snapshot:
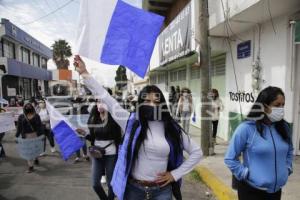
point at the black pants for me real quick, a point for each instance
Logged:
(49, 136)
(2, 152)
(215, 128)
(247, 192)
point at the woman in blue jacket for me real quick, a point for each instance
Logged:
(264, 140)
(150, 161)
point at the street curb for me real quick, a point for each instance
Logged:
(220, 189)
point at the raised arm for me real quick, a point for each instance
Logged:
(119, 114)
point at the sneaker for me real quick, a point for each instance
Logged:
(103, 179)
(76, 160)
(53, 150)
(86, 158)
(36, 162)
(30, 169)
(43, 154)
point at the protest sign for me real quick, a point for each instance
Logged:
(7, 122)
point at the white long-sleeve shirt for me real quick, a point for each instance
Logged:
(154, 153)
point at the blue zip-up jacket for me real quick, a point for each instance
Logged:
(267, 160)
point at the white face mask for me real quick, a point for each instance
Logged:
(276, 114)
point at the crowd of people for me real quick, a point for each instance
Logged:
(140, 149)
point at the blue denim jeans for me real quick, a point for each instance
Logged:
(106, 163)
(135, 191)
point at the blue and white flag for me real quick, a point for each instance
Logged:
(64, 133)
(116, 33)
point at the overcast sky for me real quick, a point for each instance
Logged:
(59, 25)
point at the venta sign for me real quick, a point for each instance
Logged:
(175, 40)
(241, 97)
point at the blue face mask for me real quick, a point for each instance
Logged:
(277, 114)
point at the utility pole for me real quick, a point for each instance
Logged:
(205, 77)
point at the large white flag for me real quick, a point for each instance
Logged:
(116, 33)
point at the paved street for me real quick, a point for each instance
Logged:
(55, 179)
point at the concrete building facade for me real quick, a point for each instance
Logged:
(23, 63)
(254, 44)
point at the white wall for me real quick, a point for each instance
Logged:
(274, 62)
(216, 14)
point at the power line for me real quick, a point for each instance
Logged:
(50, 13)
(269, 10)
(231, 55)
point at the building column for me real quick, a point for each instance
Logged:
(188, 75)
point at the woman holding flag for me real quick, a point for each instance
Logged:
(150, 162)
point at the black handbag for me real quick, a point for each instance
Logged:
(98, 152)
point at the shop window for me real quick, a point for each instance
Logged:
(153, 79)
(8, 49)
(25, 53)
(26, 88)
(36, 60)
(174, 76)
(182, 75)
(44, 63)
(161, 78)
(195, 73)
(218, 64)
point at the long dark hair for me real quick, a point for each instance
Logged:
(265, 98)
(172, 130)
(94, 120)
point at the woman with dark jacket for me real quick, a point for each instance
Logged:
(29, 125)
(265, 142)
(104, 132)
(172, 100)
(150, 161)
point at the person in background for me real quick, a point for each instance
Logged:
(217, 107)
(177, 114)
(44, 115)
(172, 100)
(12, 102)
(105, 133)
(185, 108)
(84, 152)
(29, 125)
(34, 103)
(2, 152)
(150, 161)
(265, 142)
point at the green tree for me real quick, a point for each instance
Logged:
(121, 77)
(61, 52)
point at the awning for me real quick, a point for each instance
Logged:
(185, 60)
(20, 69)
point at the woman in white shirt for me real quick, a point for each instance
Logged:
(44, 115)
(185, 108)
(150, 161)
(217, 107)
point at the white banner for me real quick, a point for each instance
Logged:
(30, 149)
(7, 122)
(17, 111)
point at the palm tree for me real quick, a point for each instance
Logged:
(61, 52)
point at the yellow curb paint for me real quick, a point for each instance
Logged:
(220, 189)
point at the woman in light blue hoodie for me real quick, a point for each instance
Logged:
(264, 140)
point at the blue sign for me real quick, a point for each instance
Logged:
(244, 49)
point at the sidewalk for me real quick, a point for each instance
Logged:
(217, 176)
